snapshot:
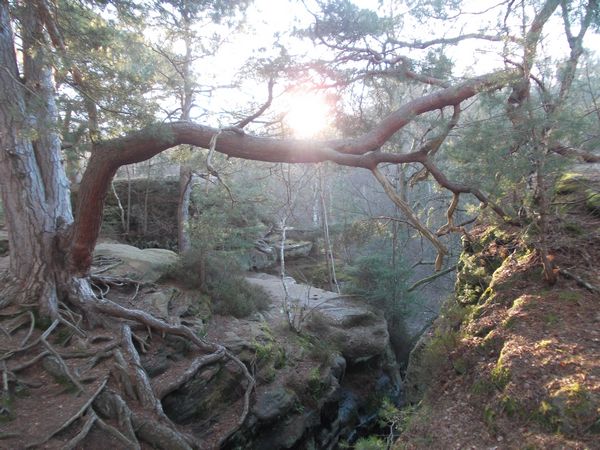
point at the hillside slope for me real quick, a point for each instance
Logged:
(513, 363)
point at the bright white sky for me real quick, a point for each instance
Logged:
(307, 113)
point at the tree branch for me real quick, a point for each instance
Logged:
(108, 156)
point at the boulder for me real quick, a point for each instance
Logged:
(273, 403)
(157, 303)
(353, 328)
(146, 265)
(294, 249)
(260, 258)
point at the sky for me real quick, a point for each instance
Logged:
(267, 18)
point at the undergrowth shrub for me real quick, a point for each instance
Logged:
(221, 278)
(384, 286)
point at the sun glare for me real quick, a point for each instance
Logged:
(309, 114)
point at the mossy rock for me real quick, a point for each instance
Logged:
(572, 409)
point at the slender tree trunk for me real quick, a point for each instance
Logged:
(183, 207)
(331, 275)
(185, 171)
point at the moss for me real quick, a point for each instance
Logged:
(546, 416)
(569, 296)
(460, 365)
(509, 323)
(511, 406)
(568, 183)
(551, 319)
(500, 375)
(482, 386)
(370, 443)
(544, 343)
(316, 387)
(571, 410)
(489, 417)
(7, 413)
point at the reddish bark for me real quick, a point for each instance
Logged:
(362, 152)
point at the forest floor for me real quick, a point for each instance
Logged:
(521, 369)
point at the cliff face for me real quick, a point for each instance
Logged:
(511, 362)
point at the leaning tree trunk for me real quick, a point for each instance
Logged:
(35, 191)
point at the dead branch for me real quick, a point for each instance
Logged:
(411, 217)
(449, 227)
(590, 287)
(245, 121)
(431, 278)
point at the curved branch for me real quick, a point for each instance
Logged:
(139, 146)
(242, 123)
(457, 188)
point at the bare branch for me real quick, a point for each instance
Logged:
(242, 123)
(453, 40)
(431, 278)
(411, 217)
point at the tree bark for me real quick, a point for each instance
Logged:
(35, 191)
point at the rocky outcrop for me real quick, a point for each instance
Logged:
(122, 260)
(312, 388)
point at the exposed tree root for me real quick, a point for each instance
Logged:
(203, 361)
(105, 306)
(125, 405)
(73, 418)
(87, 426)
